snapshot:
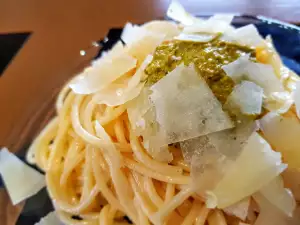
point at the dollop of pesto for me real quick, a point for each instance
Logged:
(208, 59)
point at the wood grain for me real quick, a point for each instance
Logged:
(8, 213)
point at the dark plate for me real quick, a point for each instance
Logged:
(286, 38)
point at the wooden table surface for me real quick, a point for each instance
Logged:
(60, 28)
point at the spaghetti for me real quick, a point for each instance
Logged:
(98, 170)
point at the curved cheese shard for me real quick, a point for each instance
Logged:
(271, 215)
(246, 97)
(21, 181)
(50, 219)
(136, 109)
(200, 37)
(216, 24)
(185, 107)
(291, 179)
(240, 209)
(211, 155)
(120, 93)
(101, 74)
(279, 102)
(273, 127)
(296, 96)
(279, 196)
(116, 50)
(261, 74)
(246, 35)
(255, 167)
(144, 46)
(178, 13)
(168, 28)
(132, 33)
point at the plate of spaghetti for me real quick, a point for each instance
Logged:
(184, 121)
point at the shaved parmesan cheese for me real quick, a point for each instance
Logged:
(184, 96)
(246, 97)
(142, 120)
(296, 96)
(204, 37)
(237, 68)
(273, 57)
(132, 33)
(269, 214)
(273, 127)
(291, 82)
(230, 142)
(117, 94)
(170, 29)
(208, 166)
(291, 179)
(136, 110)
(178, 13)
(21, 181)
(144, 46)
(211, 155)
(280, 102)
(194, 146)
(247, 35)
(261, 74)
(116, 50)
(50, 219)
(100, 75)
(215, 24)
(240, 209)
(280, 197)
(255, 167)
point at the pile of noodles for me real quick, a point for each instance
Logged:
(121, 151)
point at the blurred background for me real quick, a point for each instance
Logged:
(50, 37)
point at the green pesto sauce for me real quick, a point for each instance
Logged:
(208, 59)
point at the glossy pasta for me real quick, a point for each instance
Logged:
(99, 166)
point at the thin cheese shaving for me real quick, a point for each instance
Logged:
(200, 37)
(279, 196)
(261, 74)
(215, 24)
(239, 209)
(296, 96)
(273, 127)
(269, 214)
(247, 35)
(184, 96)
(230, 142)
(211, 155)
(178, 13)
(168, 28)
(50, 219)
(21, 181)
(101, 74)
(144, 46)
(255, 167)
(291, 179)
(120, 93)
(116, 50)
(208, 165)
(246, 97)
(279, 102)
(132, 33)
